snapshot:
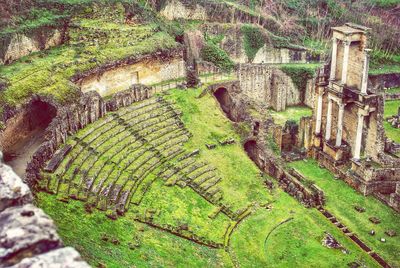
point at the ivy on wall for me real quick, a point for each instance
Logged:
(213, 53)
(253, 40)
(300, 74)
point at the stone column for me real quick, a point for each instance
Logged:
(334, 58)
(364, 82)
(345, 61)
(340, 125)
(328, 120)
(319, 113)
(360, 125)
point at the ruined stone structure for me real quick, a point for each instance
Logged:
(28, 237)
(233, 44)
(147, 70)
(269, 86)
(348, 118)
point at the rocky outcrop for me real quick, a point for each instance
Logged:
(233, 44)
(19, 44)
(144, 69)
(176, 9)
(28, 237)
(67, 256)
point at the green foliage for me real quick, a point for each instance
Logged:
(385, 3)
(273, 145)
(253, 40)
(293, 113)
(49, 72)
(213, 53)
(391, 108)
(300, 74)
(341, 199)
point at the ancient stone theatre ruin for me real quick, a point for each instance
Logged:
(210, 133)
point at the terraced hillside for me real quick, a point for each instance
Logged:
(170, 201)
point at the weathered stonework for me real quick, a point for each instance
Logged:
(233, 44)
(238, 108)
(28, 237)
(148, 70)
(268, 86)
(20, 45)
(348, 119)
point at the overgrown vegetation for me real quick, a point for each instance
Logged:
(290, 113)
(341, 200)
(213, 53)
(126, 242)
(300, 74)
(93, 41)
(391, 108)
(253, 40)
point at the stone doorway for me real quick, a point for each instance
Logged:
(225, 101)
(251, 149)
(24, 134)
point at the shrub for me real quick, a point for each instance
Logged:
(300, 74)
(213, 53)
(253, 40)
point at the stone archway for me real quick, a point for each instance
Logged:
(24, 133)
(251, 149)
(225, 101)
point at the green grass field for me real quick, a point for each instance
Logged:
(297, 242)
(291, 113)
(341, 199)
(391, 108)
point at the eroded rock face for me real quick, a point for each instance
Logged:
(13, 192)
(21, 45)
(62, 258)
(28, 237)
(25, 231)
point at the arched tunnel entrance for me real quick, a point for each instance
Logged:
(225, 101)
(251, 149)
(24, 134)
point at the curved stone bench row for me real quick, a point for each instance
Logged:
(106, 168)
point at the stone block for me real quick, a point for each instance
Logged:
(62, 258)
(13, 192)
(25, 231)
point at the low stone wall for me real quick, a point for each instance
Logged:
(393, 96)
(290, 181)
(28, 236)
(376, 82)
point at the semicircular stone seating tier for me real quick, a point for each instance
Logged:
(105, 163)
